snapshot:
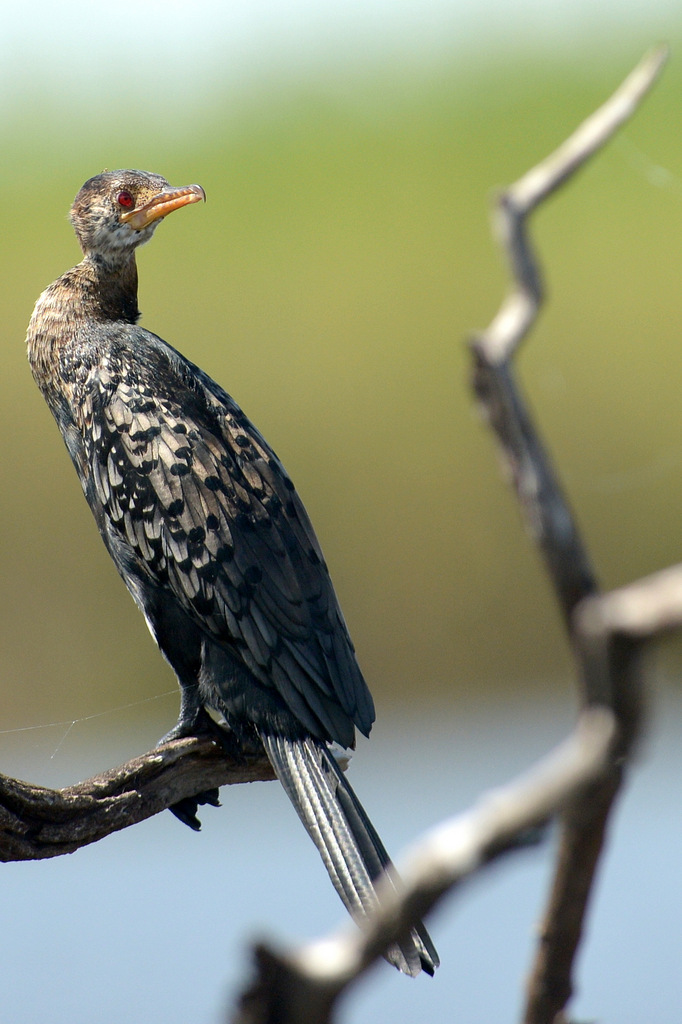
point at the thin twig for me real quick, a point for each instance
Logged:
(519, 310)
(545, 507)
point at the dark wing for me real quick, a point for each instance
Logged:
(207, 510)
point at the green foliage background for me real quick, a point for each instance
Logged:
(329, 283)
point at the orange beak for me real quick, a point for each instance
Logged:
(162, 204)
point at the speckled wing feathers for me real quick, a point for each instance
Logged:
(207, 510)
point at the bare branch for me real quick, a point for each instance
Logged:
(303, 986)
(609, 633)
(581, 779)
(36, 822)
(639, 611)
(609, 668)
(519, 310)
(545, 507)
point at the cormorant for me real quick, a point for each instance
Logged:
(207, 531)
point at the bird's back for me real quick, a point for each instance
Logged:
(190, 498)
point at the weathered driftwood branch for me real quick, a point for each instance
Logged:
(613, 679)
(303, 986)
(546, 509)
(610, 633)
(577, 778)
(581, 780)
(36, 822)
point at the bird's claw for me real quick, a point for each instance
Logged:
(200, 724)
(186, 810)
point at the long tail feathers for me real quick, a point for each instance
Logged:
(352, 852)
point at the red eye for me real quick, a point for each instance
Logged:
(125, 199)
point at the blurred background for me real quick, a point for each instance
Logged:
(349, 154)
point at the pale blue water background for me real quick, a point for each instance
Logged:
(152, 924)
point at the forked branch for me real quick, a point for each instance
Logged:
(580, 780)
(607, 661)
(303, 986)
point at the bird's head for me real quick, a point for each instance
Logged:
(116, 211)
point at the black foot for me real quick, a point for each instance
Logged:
(200, 723)
(238, 746)
(186, 810)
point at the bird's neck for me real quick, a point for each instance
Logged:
(98, 290)
(92, 293)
